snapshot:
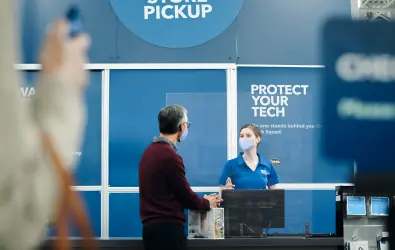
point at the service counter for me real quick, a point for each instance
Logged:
(275, 243)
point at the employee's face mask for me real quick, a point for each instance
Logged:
(246, 143)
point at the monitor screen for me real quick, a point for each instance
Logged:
(379, 206)
(249, 212)
(356, 205)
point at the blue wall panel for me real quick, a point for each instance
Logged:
(283, 31)
(99, 21)
(124, 215)
(88, 171)
(323, 211)
(92, 201)
(297, 148)
(112, 42)
(318, 208)
(137, 96)
(262, 33)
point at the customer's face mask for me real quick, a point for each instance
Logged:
(246, 143)
(184, 134)
(184, 131)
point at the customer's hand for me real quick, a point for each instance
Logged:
(63, 56)
(218, 198)
(213, 199)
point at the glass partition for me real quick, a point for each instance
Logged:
(137, 96)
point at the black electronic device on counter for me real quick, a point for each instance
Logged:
(249, 212)
(342, 192)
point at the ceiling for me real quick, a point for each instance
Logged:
(376, 9)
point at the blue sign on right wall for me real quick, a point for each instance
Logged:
(358, 97)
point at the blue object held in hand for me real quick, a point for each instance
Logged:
(74, 19)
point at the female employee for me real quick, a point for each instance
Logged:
(249, 170)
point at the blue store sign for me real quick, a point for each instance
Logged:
(359, 92)
(177, 23)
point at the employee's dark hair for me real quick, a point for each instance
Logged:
(255, 130)
(170, 118)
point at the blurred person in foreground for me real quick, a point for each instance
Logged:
(29, 186)
(164, 189)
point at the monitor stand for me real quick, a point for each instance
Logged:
(248, 232)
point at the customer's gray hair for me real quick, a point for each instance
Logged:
(171, 117)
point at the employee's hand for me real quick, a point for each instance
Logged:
(276, 162)
(229, 184)
(63, 56)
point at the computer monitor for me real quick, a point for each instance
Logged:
(249, 212)
(379, 206)
(356, 206)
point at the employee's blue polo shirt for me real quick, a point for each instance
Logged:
(244, 178)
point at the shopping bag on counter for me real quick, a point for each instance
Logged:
(70, 205)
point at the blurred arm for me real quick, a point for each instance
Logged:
(28, 185)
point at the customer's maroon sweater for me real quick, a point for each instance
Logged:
(164, 190)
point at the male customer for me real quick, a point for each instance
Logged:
(164, 190)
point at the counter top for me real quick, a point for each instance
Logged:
(275, 241)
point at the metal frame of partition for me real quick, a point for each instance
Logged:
(232, 130)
